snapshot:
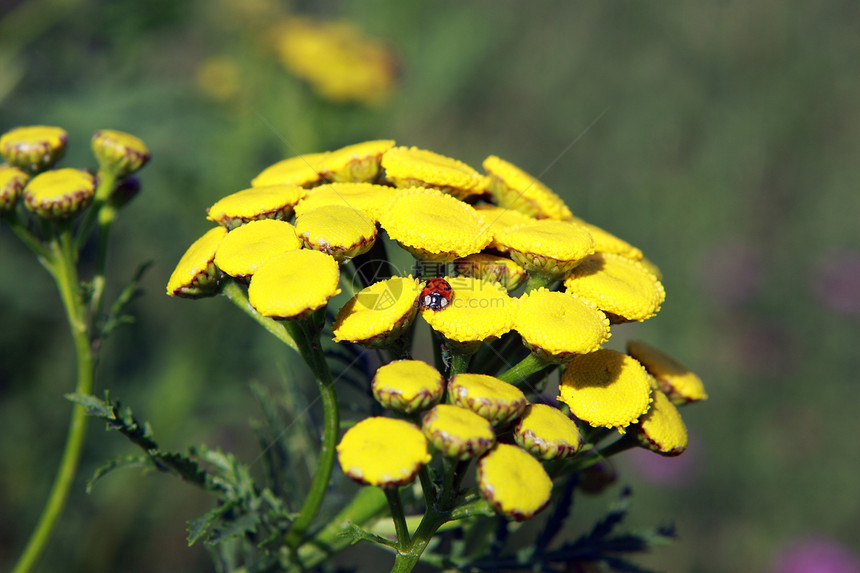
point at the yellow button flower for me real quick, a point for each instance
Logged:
(549, 248)
(379, 314)
(557, 326)
(407, 385)
(119, 152)
(547, 433)
(294, 284)
(606, 388)
(302, 170)
(487, 396)
(498, 218)
(365, 197)
(620, 287)
(514, 482)
(12, 180)
(356, 163)
(60, 193)
(457, 432)
(383, 452)
(245, 248)
(434, 226)
(681, 385)
(479, 311)
(500, 270)
(196, 274)
(34, 148)
(606, 242)
(337, 230)
(412, 167)
(662, 430)
(264, 202)
(513, 188)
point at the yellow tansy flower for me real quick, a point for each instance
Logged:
(264, 202)
(606, 388)
(513, 188)
(498, 218)
(119, 152)
(514, 482)
(620, 287)
(662, 430)
(365, 197)
(294, 284)
(557, 326)
(245, 248)
(480, 310)
(457, 432)
(434, 226)
(337, 230)
(356, 163)
(34, 148)
(500, 270)
(196, 274)
(378, 314)
(606, 242)
(302, 170)
(383, 452)
(487, 396)
(547, 433)
(12, 180)
(681, 385)
(407, 385)
(549, 248)
(59, 193)
(412, 167)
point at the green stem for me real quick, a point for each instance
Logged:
(393, 496)
(537, 281)
(61, 264)
(106, 217)
(405, 561)
(459, 363)
(525, 368)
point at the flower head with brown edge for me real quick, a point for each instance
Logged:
(118, 152)
(60, 193)
(662, 429)
(380, 314)
(407, 386)
(412, 167)
(33, 148)
(457, 432)
(365, 197)
(487, 396)
(500, 270)
(336, 230)
(265, 202)
(294, 284)
(356, 163)
(557, 326)
(620, 287)
(498, 218)
(383, 452)
(434, 226)
(302, 170)
(12, 180)
(196, 274)
(551, 248)
(513, 188)
(606, 242)
(547, 433)
(606, 388)
(514, 482)
(673, 378)
(246, 248)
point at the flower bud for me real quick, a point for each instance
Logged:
(546, 433)
(59, 194)
(34, 148)
(407, 386)
(661, 429)
(124, 192)
(487, 396)
(457, 432)
(12, 180)
(119, 153)
(514, 482)
(383, 452)
(196, 275)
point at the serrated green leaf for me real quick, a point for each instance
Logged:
(130, 461)
(241, 525)
(92, 405)
(197, 528)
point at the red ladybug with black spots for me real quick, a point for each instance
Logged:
(437, 294)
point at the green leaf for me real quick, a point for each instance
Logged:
(199, 527)
(241, 525)
(131, 461)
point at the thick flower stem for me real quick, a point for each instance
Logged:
(61, 264)
(525, 368)
(397, 515)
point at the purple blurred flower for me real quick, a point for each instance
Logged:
(837, 281)
(815, 555)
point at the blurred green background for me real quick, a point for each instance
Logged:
(722, 138)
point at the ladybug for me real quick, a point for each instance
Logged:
(436, 294)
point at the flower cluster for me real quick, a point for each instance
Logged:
(528, 289)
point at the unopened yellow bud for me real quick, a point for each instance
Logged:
(33, 148)
(59, 194)
(119, 153)
(12, 180)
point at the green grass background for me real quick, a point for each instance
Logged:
(726, 148)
